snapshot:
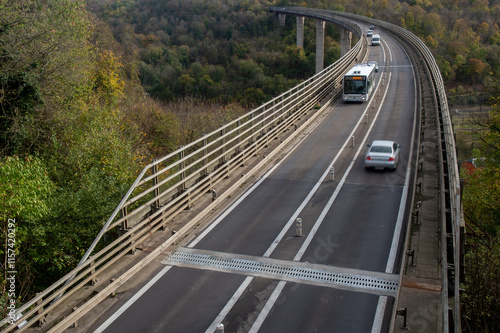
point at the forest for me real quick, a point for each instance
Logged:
(91, 91)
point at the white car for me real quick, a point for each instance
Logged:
(369, 33)
(382, 154)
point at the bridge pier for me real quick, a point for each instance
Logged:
(300, 31)
(345, 41)
(320, 45)
(282, 18)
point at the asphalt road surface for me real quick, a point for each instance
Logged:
(250, 272)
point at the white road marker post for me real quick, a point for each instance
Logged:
(298, 227)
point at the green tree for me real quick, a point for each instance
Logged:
(481, 198)
(480, 306)
(44, 54)
(25, 200)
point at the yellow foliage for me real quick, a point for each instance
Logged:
(107, 76)
(431, 42)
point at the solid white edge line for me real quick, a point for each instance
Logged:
(397, 230)
(229, 305)
(125, 306)
(267, 308)
(377, 323)
(402, 207)
(379, 314)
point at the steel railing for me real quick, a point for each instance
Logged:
(169, 185)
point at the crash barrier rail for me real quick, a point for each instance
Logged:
(451, 220)
(171, 184)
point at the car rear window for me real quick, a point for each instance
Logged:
(381, 149)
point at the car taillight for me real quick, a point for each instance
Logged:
(391, 159)
(368, 158)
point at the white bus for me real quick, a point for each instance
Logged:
(358, 83)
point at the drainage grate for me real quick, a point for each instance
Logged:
(379, 283)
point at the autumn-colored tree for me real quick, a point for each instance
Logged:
(476, 68)
(66, 157)
(481, 198)
(107, 80)
(44, 52)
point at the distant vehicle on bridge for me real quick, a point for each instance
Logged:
(376, 40)
(358, 83)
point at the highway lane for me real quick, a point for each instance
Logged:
(354, 231)
(360, 223)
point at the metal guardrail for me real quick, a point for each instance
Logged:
(173, 183)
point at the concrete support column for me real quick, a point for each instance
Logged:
(345, 41)
(300, 31)
(320, 45)
(282, 18)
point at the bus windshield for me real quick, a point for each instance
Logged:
(354, 85)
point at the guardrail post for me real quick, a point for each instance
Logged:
(133, 250)
(183, 172)
(411, 254)
(273, 108)
(75, 324)
(265, 130)
(154, 171)
(403, 312)
(43, 320)
(124, 213)
(416, 214)
(238, 140)
(252, 124)
(223, 145)
(205, 160)
(93, 279)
